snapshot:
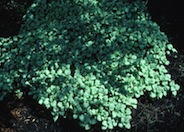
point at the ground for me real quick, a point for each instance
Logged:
(165, 115)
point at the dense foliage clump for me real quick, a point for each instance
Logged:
(87, 59)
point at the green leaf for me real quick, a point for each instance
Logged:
(110, 126)
(127, 125)
(89, 43)
(111, 106)
(93, 121)
(104, 123)
(149, 39)
(94, 90)
(60, 105)
(120, 125)
(82, 117)
(80, 82)
(86, 104)
(15, 38)
(160, 95)
(177, 87)
(55, 118)
(75, 116)
(67, 72)
(53, 103)
(174, 93)
(114, 65)
(47, 72)
(170, 46)
(152, 95)
(87, 127)
(114, 114)
(149, 88)
(128, 111)
(46, 101)
(104, 127)
(99, 118)
(40, 101)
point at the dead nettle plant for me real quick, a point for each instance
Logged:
(94, 58)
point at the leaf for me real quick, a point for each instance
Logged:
(114, 114)
(93, 121)
(59, 72)
(82, 117)
(75, 116)
(89, 43)
(128, 111)
(126, 62)
(177, 87)
(40, 101)
(110, 125)
(97, 82)
(67, 72)
(123, 29)
(87, 127)
(112, 106)
(152, 95)
(86, 104)
(47, 72)
(127, 125)
(99, 118)
(149, 39)
(160, 95)
(80, 82)
(46, 101)
(120, 125)
(55, 118)
(15, 38)
(149, 88)
(94, 90)
(174, 93)
(104, 123)
(134, 101)
(60, 105)
(53, 103)
(114, 65)
(170, 46)
(104, 127)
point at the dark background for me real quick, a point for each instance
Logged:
(169, 14)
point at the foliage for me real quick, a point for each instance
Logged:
(88, 59)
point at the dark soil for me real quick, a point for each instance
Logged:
(165, 115)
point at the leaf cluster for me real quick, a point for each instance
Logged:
(91, 57)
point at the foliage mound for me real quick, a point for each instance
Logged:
(87, 59)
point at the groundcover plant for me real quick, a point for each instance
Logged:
(89, 60)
